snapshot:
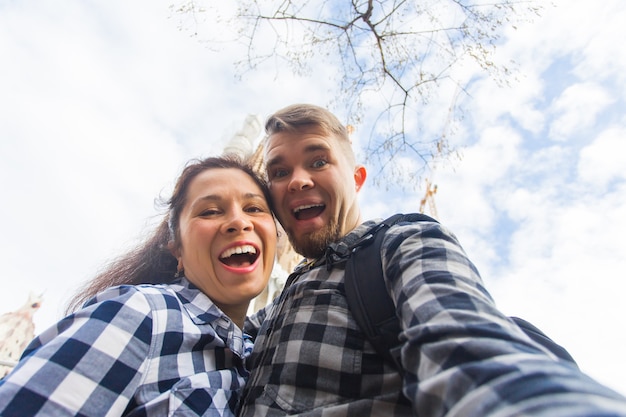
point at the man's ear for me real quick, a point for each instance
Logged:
(360, 173)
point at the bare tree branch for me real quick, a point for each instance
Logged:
(394, 58)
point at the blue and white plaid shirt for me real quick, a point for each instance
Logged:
(147, 350)
(461, 356)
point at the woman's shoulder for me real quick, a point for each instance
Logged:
(153, 296)
(157, 300)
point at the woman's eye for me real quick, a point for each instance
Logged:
(209, 212)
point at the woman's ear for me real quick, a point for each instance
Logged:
(173, 248)
(175, 251)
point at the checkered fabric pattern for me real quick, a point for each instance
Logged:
(461, 356)
(149, 350)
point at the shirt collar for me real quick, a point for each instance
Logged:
(198, 305)
(202, 310)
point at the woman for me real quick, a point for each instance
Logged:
(161, 332)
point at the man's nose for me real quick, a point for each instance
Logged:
(300, 180)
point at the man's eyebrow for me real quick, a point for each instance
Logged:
(308, 149)
(316, 147)
(274, 161)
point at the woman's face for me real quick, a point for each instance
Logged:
(227, 238)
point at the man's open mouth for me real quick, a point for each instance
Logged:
(308, 211)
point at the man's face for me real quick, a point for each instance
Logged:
(314, 188)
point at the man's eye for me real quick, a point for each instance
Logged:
(279, 173)
(319, 163)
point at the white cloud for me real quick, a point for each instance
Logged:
(483, 164)
(601, 56)
(564, 275)
(577, 108)
(519, 100)
(604, 159)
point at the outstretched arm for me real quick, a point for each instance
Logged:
(461, 355)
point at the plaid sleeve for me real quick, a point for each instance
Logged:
(461, 355)
(89, 364)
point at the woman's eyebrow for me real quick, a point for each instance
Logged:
(217, 197)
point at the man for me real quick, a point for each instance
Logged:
(460, 355)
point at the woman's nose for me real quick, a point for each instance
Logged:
(237, 222)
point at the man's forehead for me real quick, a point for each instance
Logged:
(277, 146)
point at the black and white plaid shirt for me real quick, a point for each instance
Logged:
(148, 350)
(461, 356)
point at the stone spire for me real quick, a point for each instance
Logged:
(16, 331)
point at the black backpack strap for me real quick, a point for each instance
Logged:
(366, 292)
(374, 310)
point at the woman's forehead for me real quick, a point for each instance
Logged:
(223, 179)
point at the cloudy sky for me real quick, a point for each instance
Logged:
(102, 103)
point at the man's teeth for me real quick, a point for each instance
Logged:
(300, 208)
(238, 250)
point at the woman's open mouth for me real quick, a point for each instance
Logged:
(239, 256)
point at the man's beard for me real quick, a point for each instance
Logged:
(313, 245)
